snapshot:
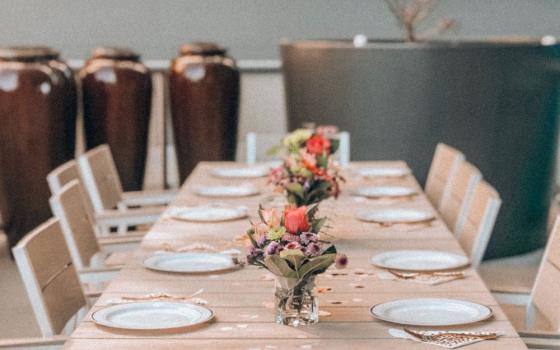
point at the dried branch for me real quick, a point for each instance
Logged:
(411, 13)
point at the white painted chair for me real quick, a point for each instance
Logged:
(537, 318)
(257, 145)
(477, 227)
(122, 218)
(104, 185)
(445, 163)
(454, 205)
(52, 284)
(88, 251)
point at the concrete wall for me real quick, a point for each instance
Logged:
(251, 28)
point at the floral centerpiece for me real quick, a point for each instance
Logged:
(308, 174)
(289, 246)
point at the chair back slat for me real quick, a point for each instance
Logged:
(50, 277)
(479, 221)
(101, 179)
(69, 206)
(455, 205)
(62, 175)
(444, 164)
(544, 295)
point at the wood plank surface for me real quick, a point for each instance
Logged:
(242, 298)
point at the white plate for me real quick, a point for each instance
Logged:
(208, 213)
(226, 191)
(152, 315)
(190, 262)
(419, 260)
(382, 172)
(385, 191)
(395, 216)
(431, 312)
(241, 172)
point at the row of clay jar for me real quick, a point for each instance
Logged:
(38, 109)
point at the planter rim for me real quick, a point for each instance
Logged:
(389, 43)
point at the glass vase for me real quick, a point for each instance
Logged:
(296, 305)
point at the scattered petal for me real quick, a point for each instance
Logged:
(322, 290)
(357, 300)
(324, 313)
(199, 301)
(357, 285)
(359, 271)
(335, 302)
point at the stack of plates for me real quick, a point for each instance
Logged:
(385, 191)
(226, 191)
(382, 172)
(191, 262)
(395, 216)
(434, 312)
(208, 213)
(152, 315)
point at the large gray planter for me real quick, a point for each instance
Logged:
(497, 101)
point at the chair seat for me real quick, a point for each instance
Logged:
(516, 315)
(515, 274)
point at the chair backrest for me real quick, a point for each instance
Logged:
(49, 277)
(101, 179)
(445, 162)
(257, 145)
(454, 206)
(544, 295)
(62, 175)
(479, 221)
(69, 206)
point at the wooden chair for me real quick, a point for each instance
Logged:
(257, 144)
(454, 206)
(538, 320)
(88, 251)
(105, 220)
(444, 165)
(476, 229)
(104, 185)
(52, 284)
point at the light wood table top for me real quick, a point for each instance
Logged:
(242, 299)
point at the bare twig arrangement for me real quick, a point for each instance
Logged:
(411, 13)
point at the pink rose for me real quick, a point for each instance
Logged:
(295, 220)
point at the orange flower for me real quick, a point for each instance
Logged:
(295, 220)
(317, 144)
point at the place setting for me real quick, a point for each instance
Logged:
(226, 191)
(405, 219)
(432, 314)
(384, 193)
(216, 212)
(241, 172)
(382, 172)
(429, 267)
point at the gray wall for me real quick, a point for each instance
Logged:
(251, 28)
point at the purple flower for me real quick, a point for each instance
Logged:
(308, 237)
(273, 248)
(261, 240)
(341, 261)
(288, 237)
(254, 254)
(313, 249)
(306, 185)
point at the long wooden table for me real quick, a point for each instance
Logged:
(242, 299)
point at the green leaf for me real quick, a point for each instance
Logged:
(317, 265)
(322, 160)
(295, 189)
(318, 224)
(279, 266)
(274, 150)
(294, 258)
(335, 143)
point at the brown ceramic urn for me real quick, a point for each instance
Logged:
(38, 116)
(117, 91)
(204, 89)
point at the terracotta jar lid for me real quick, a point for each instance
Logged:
(116, 53)
(202, 48)
(28, 53)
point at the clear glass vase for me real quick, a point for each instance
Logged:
(295, 303)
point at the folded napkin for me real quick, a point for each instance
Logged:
(445, 339)
(430, 278)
